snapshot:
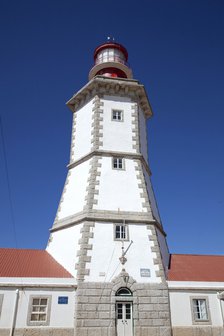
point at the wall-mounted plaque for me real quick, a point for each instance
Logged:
(145, 272)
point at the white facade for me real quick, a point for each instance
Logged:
(182, 293)
(96, 188)
(16, 295)
(64, 245)
(106, 251)
(163, 250)
(118, 189)
(143, 134)
(151, 197)
(73, 197)
(81, 133)
(105, 264)
(117, 135)
(107, 227)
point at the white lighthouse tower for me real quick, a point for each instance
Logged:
(107, 231)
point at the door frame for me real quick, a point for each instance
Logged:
(125, 300)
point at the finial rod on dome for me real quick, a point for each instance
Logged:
(110, 39)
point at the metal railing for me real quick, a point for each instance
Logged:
(111, 58)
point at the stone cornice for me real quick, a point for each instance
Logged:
(106, 216)
(105, 153)
(111, 86)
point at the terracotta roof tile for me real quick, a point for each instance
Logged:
(30, 264)
(190, 267)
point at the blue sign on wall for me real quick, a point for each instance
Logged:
(63, 300)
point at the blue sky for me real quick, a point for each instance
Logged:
(175, 49)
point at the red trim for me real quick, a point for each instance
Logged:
(111, 72)
(111, 45)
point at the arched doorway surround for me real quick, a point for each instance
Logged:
(124, 304)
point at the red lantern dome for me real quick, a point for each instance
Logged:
(110, 60)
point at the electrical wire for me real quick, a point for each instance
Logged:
(8, 183)
(10, 196)
(104, 282)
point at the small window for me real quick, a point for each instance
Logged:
(200, 309)
(123, 292)
(117, 115)
(121, 232)
(200, 312)
(39, 310)
(118, 163)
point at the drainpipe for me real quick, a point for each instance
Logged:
(14, 313)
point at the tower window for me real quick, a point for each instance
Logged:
(120, 232)
(118, 163)
(117, 115)
(200, 310)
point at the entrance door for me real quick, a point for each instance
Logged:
(124, 318)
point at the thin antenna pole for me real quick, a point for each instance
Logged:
(128, 247)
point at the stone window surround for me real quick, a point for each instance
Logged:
(1, 302)
(126, 232)
(121, 114)
(198, 321)
(48, 312)
(123, 162)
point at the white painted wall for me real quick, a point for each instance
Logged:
(73, 199)
(61, 316)
(182, 298)
(7, 308)
(63, 247)
(196, 284)
(143, 134)
(106, 253)
(118, 189)
(82, 143)
(151, 195)
(117, 135)
(38, 282)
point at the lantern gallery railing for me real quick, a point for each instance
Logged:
(111, 58)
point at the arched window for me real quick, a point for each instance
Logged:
(123, 292)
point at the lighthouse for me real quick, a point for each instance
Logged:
(107, 231)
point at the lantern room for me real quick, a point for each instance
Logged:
(110, 60)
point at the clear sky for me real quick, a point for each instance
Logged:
(176, 50)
